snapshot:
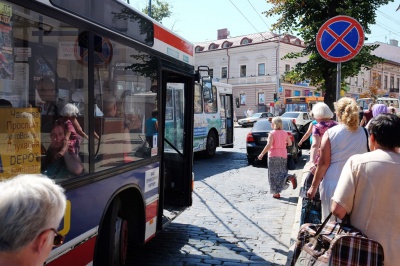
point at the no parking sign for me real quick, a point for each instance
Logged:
(340, 39)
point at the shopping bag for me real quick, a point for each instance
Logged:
(335, 244)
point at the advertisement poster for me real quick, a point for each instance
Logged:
(6, 43)
(19, 141)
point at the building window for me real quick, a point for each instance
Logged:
(363, 83)
(391, 82)
(243, 71)
(261, 99)
(356, 81)
(224, 72)
(398, 83)
(211, 72)
(213, 46)
(385, 82)
(287, 68)
(261, 69)
(245, 41)
(226, 44)
(199, 49)
(242, 99)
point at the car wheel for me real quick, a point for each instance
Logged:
(244, 126)
(250, 160)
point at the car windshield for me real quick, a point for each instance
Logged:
(265, 125)
(256, 115)
(291, 115)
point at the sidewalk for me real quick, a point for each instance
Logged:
(296, 224)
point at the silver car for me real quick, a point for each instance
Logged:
(249, 121)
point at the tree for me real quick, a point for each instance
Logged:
(306, 17)
(159, 11)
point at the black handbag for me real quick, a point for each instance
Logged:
(310, 211)
(291, 165)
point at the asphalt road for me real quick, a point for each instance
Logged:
(233, 221)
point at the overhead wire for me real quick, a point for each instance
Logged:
(247, 20)
(257, 13)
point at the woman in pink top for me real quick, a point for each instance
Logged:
(278, 139)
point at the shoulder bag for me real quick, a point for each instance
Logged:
(335, 244)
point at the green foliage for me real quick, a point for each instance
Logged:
(305, 17)
(159, 10)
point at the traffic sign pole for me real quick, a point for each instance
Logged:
(338, 79)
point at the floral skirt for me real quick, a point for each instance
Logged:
(277, 174)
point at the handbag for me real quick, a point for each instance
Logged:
(310, 211)
(291, 165)
(335, 244)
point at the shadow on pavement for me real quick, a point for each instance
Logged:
(182, 244)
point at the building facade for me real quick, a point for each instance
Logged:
(253, 65)
(385, 76)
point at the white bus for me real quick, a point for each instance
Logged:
(364, 102)
(213, 116)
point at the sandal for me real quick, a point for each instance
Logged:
(293, 180)
(276, 196)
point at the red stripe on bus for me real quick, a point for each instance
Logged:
(171, 39)
(81, 255)
(151, 210)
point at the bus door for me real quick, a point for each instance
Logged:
(177, 111)
(226, 114)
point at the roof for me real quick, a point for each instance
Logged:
(387, 51)
(246, 40)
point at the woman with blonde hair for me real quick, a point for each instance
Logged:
(277, 141)
(337, 145)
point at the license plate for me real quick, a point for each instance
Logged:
(264, 138)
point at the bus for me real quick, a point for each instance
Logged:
(364, 102)
(213, 116)
(301, 103)
(121, 69)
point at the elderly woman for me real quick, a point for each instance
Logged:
(337, 145)
(31, 209)
(368, 187)
(278, 139)
(378, 109)
(323, 116)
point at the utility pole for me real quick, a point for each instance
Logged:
(149, 10)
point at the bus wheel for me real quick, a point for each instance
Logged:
(113, 237)
(211, 145)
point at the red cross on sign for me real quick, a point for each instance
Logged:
(340, 39)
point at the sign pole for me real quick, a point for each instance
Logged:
(338, 78)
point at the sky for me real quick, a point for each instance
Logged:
(198, 21)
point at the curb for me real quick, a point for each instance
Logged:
(296, 224)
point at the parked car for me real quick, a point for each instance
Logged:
(249, 121)
(257, 139)
(299, 118)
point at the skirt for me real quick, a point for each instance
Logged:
(277, 174)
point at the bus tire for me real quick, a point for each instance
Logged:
(211, 145)
(113, 237)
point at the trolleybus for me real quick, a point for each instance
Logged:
(213, 116)
(119, 68)
(364, 102)
(301, 103)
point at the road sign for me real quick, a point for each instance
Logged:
(340, 39)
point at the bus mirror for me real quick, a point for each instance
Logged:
(237, 102)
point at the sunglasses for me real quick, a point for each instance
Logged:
(58, 238)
